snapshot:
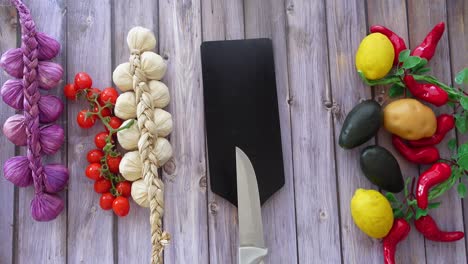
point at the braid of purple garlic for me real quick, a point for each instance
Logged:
(27, 64)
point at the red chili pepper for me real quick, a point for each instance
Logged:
(428, 227)
(427, 48)
(425, 91)
(445, 123)
(423, 155)
(438, 173)
(398, 233)
(397, 42)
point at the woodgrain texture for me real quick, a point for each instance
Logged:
(133, 230)
(90, 230)
(8, 28)
(308, 221)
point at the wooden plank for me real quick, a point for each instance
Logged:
(8, 28)
(185, 191)
(90, 229)
(346, 26)
(222, 20)
(312, 134)
(264, 18)
(134, 230)
(49, 18)
(392, 14)
(424, 15)
(457, 21)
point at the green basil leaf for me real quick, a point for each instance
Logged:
(409, 216)
(460, 123)
(391, 197)
(398, 213)
(411, 62)
(463, 161)
(462, 77)
(464, 102)
(461, 189)
(452, 144)
(400, 71)
(412, 202)
(404, 54)
(463, 149)
(433, 205)
(396, 91)
(423, 70)
(420, 212)
(420, 65)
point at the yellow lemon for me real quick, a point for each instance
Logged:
(372, 213)
(374, 56)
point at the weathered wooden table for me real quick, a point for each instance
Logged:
(309, 220)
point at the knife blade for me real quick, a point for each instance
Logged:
(251, 242)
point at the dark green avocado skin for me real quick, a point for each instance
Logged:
(381, 168)
(361, 124)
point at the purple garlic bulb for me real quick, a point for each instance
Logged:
(55, 177)
(45, 207)
(12, 93)
(15, 130)
(12, 62)
(49, 74)
(48, 47)
(50, 108)
(17, 171)
(51, 139)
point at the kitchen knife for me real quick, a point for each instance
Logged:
(251, 242)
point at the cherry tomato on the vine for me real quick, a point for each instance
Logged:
(124, 188)
(93, 171)
(100, 139)
(93, 93)
(106, 201)
(113, 163)
(95, 156)
(109, 94)
(121, 206)
(84, 121)
(83, 81)
(104, 111)
(114, 122)
(102, 186)
(70, 91)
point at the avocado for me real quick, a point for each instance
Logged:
(381, 168)
(361, 124)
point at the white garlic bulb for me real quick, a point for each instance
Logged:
(140, 193)
(162, 150)
(160, 93)
(125, 107)
(141, 39)
(131, 166)
(128, 138)
(153, 65)
(163, 121)
(122, 77)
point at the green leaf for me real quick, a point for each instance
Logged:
(420, 212)
(411, 62)
(452, 144)
(463, 149)
(423, 70)
(464, 102)
(404, 54)
(400, 71)
(420, 65)
(412, 202)
(433, 205)
(398, 213)
(460, 123)
(462, 77)
(461, 189)
(396, 91)
(407, 181)
(391, 198)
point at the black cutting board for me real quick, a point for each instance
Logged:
(241, 109)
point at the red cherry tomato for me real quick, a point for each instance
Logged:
(84, 121)
(83, 81)
(113, 163)
(104, 111)
(121, 206)
(70, 91)
(114, 122)
(102, 186)
(95, 156)
(109, 94)
(93, 171)
(93, 93)
(100, 139)
(124, 188)
(106, 201)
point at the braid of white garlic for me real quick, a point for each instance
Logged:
(146, 135)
